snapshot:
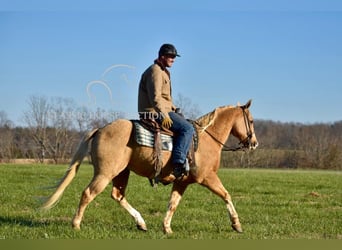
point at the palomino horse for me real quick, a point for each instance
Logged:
(114, 154)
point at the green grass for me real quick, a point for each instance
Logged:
(272, 204)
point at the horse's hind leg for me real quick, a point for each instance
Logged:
(118, 194)
(213, 183)
(96, 186)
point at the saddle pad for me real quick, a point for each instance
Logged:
(145, 137)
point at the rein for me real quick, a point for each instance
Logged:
(224, 146)
(242, 143)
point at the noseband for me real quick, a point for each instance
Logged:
(244, 143)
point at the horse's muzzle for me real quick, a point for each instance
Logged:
(253, 145)
(250, 142)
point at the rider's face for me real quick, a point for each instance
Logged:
(168, 60)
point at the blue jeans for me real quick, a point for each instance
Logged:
(182, 140)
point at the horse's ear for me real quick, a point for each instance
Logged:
(248, 104)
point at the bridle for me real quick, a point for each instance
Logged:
(244, 143)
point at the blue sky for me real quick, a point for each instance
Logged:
(285, 55)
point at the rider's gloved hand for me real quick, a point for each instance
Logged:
(167, 122)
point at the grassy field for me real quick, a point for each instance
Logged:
(272, 204)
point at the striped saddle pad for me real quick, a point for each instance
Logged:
(145, 137)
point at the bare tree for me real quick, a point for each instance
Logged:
(82, 118)
(6, 135)
(36, 117)
(61, 120)
(320, 148)
(101, 117)
(4, 121)
(188, 109)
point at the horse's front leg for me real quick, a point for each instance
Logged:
(176, 195)
(118, 194)
(213, 182)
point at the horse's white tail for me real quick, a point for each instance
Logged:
(70, 172)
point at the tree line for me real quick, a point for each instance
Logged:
(55, 126)
(53, 129)
(292, 145)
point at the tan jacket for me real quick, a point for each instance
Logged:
(155, 91)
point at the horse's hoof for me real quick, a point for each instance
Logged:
(76, 224)
(142, 227)
(167, 231)
(237, 228)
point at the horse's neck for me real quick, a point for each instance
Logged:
(223, 123)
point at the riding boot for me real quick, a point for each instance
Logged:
(181, 169)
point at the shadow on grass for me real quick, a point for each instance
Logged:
(31, 222)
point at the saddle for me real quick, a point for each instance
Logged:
(148, 132)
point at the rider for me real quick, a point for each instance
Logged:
(155, 100)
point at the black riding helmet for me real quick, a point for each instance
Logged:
(168, 49)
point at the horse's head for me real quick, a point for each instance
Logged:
(243, 128)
